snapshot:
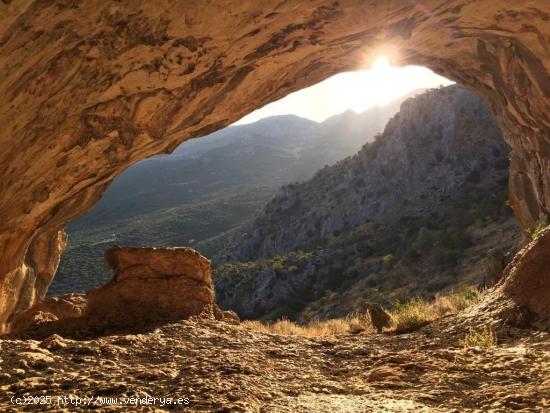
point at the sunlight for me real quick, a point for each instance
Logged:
(358, 91)
(381, 63)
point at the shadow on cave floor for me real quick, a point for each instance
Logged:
(223, 367)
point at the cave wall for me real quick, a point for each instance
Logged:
(90, 87)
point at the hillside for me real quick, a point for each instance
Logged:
(208, 187)
(412, 213)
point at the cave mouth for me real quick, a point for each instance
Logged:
(177, 200)
(98, 88)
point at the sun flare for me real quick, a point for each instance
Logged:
(381, 63)
(378, 84)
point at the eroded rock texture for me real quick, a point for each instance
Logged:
(151, 285)
(90, 87)
(49, 310)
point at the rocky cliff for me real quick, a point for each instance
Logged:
(208, 187)
(413, 212)
(91, 87)
(437, 143)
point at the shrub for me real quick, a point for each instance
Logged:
(411, 316)
(417, 313)
(451, 303)
(482, 338)
(445, 258)
(424, 240)
(388, 262)
(541, 225)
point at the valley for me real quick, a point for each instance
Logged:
(209, 187)
(413, 213)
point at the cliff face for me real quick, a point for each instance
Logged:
(437, 143)
(90, 87)
(412, 213)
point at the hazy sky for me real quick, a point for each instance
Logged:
(357, 91)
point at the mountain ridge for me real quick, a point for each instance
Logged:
(412, 213)
(207, 188)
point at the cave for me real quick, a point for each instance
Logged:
(89, 88)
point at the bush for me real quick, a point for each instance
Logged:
(482, 338)
(388, 262)
(411, 316)
(416, 313)
(541, 225)
(445, 258)
(334, 327)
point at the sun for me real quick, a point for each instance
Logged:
(377, 82)
(381, 63)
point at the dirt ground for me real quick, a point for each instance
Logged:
(214, 366)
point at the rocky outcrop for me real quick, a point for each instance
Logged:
(527, 278)
(429, 151)
(151, 285)
(91, 87)
(522, 296)
(380, 319)
(49, 310)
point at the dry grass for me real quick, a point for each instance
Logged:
(416, 313)
(412, 315)
(480, 338)
(334, 327)
(406, 317)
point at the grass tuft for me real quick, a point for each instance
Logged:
(334, 327)
(417, 312)
(406, 317)
(480, 338)
(411, 315)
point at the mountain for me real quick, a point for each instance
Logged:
(208, 187)
(411, 213)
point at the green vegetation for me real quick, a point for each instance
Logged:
(203, 224)
(485, 337)
(385, 263)
(541, 225)
(411, 316)
(415, 313)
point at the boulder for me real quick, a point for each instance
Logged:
(527, 278)
(51, 309)
(151, 285)
(380, 319)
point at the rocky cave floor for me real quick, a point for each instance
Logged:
(224, 367)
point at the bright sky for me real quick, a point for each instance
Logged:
(357, 91)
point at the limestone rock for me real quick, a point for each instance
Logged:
(51, 309)
(53, 342)
(230, 317)
(527, 278)
(522, 297)
(380, 319)
(151, 285)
